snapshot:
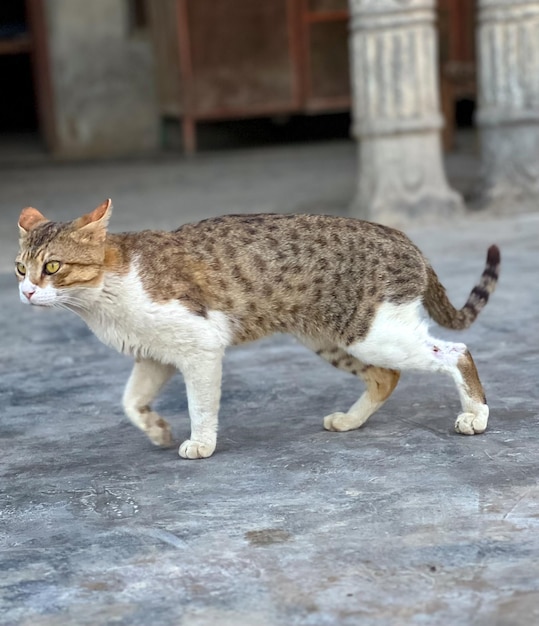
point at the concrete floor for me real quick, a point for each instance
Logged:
(401, 522)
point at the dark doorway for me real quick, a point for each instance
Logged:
(20, 132)
(18, 106)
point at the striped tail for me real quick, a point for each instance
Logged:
(444, 313)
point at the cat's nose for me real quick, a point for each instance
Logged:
(29, 293)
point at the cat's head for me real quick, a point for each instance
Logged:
(59, 262)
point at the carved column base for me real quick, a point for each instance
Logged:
(401, 180)
(510, 169)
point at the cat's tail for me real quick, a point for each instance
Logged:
(444, 313)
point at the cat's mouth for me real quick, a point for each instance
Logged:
(37, 296)
(39, 304)
(35, 300)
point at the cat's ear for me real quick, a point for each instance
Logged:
(95, 223)
(98, 217)
(29, 219)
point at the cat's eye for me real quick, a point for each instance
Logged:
(52, 267)
(21, 268)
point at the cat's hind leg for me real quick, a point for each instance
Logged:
(399, 338)
(380, 383)
(474, 417)
(147, 379)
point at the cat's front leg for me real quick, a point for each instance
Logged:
(202, 375)
(146, 380)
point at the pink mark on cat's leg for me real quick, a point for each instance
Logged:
(145, 382)
(445, 352)
(202, 374)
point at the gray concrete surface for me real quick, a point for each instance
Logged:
(401, 522)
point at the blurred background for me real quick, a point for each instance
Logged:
(122, 77)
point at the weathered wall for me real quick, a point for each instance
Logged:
(103, 80)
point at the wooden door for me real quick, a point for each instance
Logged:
(239, 57)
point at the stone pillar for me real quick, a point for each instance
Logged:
(397, 119)
(508, 111)
(102, 78)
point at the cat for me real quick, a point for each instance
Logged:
(350, 290)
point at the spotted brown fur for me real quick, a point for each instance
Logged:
(306, 274)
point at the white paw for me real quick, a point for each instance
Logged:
(158, 431)
(472, 423)
(339, 422)
(191, 449)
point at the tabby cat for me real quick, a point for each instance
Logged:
(350, 290)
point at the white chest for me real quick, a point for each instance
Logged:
(127, 319)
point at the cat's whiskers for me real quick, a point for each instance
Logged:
(73, 302)
(59, 305)
(68, 302)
